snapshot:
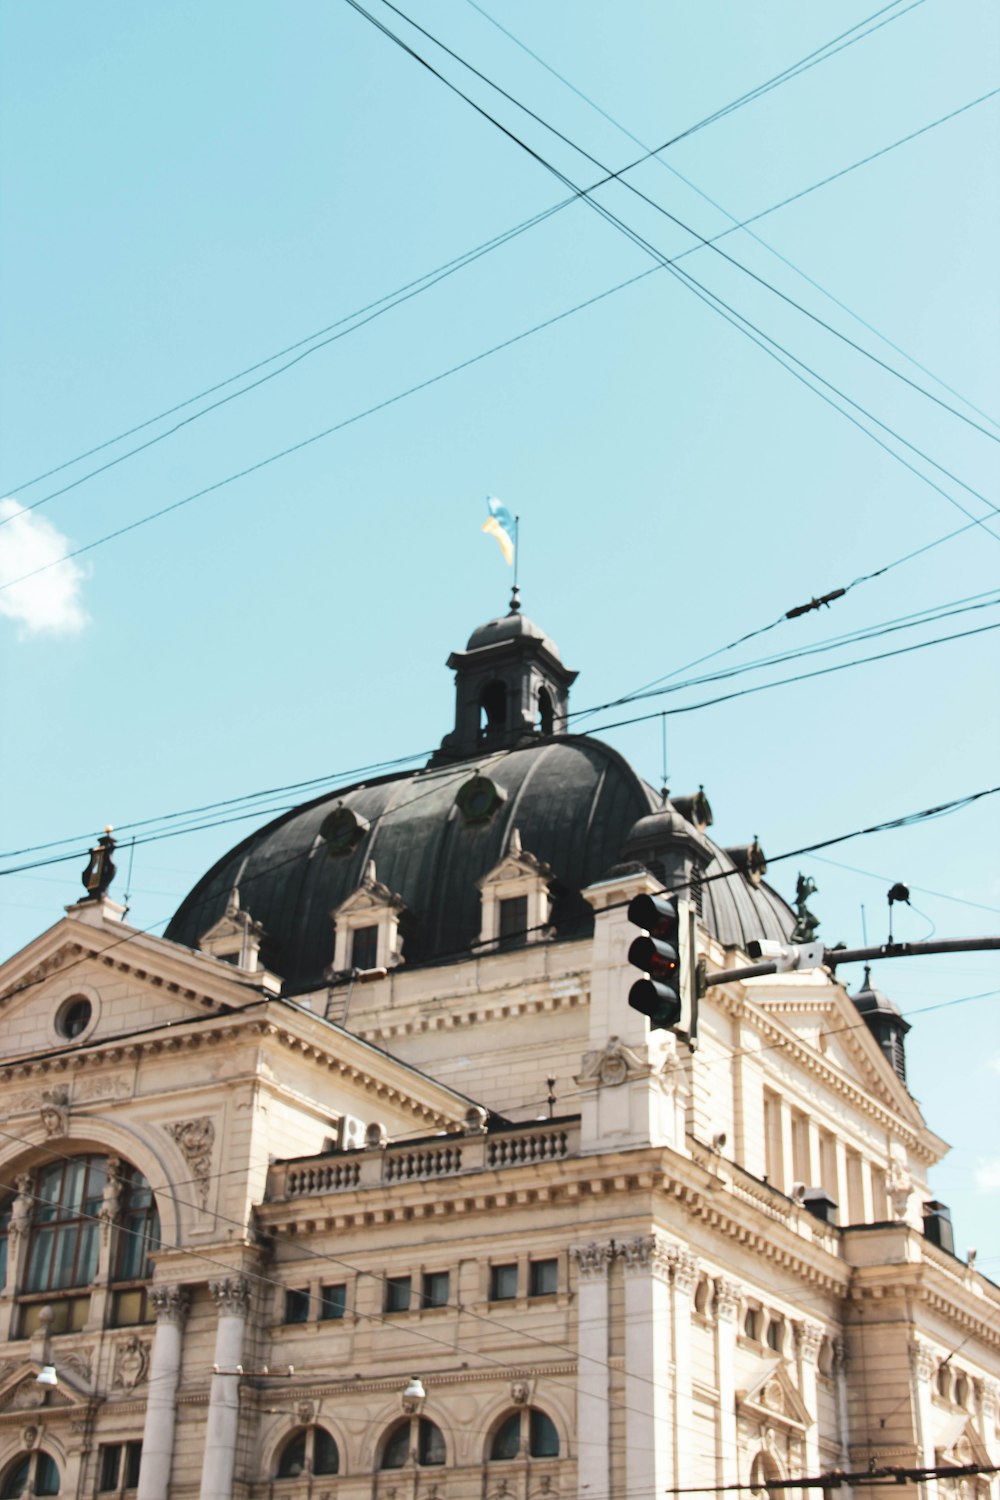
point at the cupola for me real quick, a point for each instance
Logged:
(511, 688)
(885, 1022)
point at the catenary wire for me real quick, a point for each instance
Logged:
(704, 241)
(745, 224)
(426, 277)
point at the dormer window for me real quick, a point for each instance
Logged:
(367, 927)
(517, 905)
(235, 938)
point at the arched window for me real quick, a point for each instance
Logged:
(413, 1437)
(546, 713)
(311, 1451)
(493, 710)
(35, 1472)
(526, 1431)
(66, 1205)
(764, 1472)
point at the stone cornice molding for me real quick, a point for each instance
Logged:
(503, 1008)
(594, 1260)
(319, 1386)
(911, 1283)
(232, 1296)
(171, 1304)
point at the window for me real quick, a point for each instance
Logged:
(512, 929)
(775, 1334)
(364, 947)
(34, 1472)
(397, 1294)
(417, 1435)
(528, 1430)
(118, 1467)
(545, 712)
(751, 1323)
(332, 1301)
(493, 710)
(296, 1305)
(503, 1283)
(543, 1278)
(311, 1451)
(435, 1289)
(73, 1017)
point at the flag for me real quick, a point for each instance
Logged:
(503, 526)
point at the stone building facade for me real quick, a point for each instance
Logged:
(366, 1181)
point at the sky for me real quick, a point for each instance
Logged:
(189, 190)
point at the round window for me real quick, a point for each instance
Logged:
(74, 1017)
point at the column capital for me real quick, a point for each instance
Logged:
(808, 1338)
(647, 1252)
(727, 1299)
(593, 1260)
(685, 1265)
(922, 1359)
(170, 1303)
(232, 1296)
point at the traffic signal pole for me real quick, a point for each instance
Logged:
(814, 955)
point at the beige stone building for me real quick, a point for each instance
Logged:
(365, 1180)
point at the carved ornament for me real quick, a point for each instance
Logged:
(170, 1303)
(54, 1111)
(922, 1359)
(808, 1338)
(232, 1296)
(21, 1208)
(727, 1299)
(592, 1260)
(131, 1363)
(614, 1065)
(196, 1139)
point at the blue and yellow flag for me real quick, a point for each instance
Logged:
(503, 526)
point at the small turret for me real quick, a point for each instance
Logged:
(885, 1022)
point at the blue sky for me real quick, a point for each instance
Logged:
(189, 189)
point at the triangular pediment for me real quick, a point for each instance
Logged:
(20, 1389)
(957, 1442)
(370, 896)
(773, 1399)
(517, 864)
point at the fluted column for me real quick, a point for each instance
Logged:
(648, 1430)
(808, 1337)
(727, 1305)
(170, 1303)
(593, 1406)
(232, 1298)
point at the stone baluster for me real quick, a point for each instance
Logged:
(170, 1304)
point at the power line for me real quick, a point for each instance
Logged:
(704, 241)
(744, 224)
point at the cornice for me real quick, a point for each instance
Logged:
(814, 1062)
(503, 1008)
(921, 1282)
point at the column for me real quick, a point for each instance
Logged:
(808, 1337)
(787, 1147)
(685, 1276)
(648, 1428)
(232, 1298)
(727, 1306)
(843, 1183)
(923, 1365)
(170, 1303)
(843, 1423)
(593, 1410)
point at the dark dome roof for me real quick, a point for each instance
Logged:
(873, 1002)
(572, 799)
(510, 627)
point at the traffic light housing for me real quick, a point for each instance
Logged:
(665, 953)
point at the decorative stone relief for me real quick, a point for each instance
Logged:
(839, 1347)
(899, 1186)
(21, 1208)
(685, 1268)
(131, 1363)
(305, 1413)
(232, 1296)
(115, 1087)
(196, 1139)
(78, 1362)
(727, 1299)
(648, 1252)
(170, 1303)
(30, 1437)
(773, 1396)
(614, 1065)
(808, 1338)
(593, 1260)
(520, 1392)
(27, 1396)
(54, 1112)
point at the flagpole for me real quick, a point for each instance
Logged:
(517, 546)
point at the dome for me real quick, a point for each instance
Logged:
(511, 627)
(872, 1002)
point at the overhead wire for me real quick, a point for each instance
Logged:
(744, 224)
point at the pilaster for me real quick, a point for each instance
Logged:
(593, 1263)
(727, 1306)
(649, 1432)
(808, 1338)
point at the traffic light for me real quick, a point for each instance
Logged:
(665, 954)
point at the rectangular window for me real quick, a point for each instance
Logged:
(133, 1458)
(513, 923)
(543, 1278)
(111, 1461)
(118, 1469)
(503, 1283)
(332, 1301)
(435, 1289)
(296, 1306)
(397, 1294)
(364, 947)
(130, 1307)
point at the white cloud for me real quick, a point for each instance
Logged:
(50, 602)
(988, 1175)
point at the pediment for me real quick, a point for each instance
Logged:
(370, 896)
(774, 1400)
(957, 1442)
(517, 864)
(20, 1390)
